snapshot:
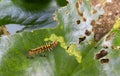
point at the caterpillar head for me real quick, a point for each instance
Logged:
(30, 53)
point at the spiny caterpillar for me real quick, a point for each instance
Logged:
(42, 49)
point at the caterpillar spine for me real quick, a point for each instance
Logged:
(42, 48)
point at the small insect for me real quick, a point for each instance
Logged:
(82, 38)
(104, 60)
(101, 54)
(42, 49)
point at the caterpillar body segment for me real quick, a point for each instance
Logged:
(42, 49)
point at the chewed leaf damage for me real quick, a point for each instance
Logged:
(71, 50)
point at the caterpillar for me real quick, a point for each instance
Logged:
(42, 48)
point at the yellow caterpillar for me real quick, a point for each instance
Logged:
(42, 49)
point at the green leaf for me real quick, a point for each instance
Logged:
(61, 2)
(12, 14)
(14, 57)
(70, 57)
(32, 4)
